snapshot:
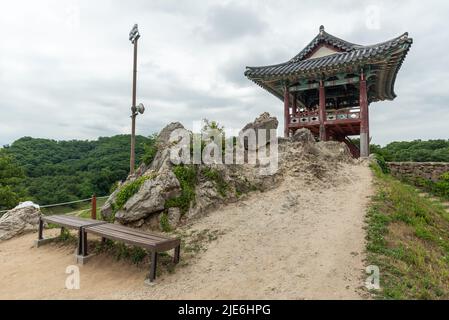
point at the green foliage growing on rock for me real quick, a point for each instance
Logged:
(217, 177)
(187, 177)
(164, 223)
(127, 191)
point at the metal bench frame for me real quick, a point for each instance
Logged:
(66, 222)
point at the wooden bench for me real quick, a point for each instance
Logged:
(69, 222)
(151, 242)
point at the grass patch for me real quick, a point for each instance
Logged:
(408, 238)
(164, 223)
(187, 177)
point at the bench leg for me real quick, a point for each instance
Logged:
(85, 253)
(177, 254)
(153, 266)
(41, 230)
(62, 230)
(80, 242)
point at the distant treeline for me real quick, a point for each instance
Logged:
(48, 171)
(416, 151)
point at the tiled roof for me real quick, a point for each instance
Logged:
(352, 53)
(384, 59)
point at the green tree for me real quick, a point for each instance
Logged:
(10, 177)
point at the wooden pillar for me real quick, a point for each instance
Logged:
(295, 104)
(364, 124)
(286, 111)
(322, 112)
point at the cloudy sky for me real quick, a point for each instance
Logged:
(66, 66)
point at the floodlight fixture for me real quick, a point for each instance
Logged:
(134, 34)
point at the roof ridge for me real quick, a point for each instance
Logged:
(326, 37)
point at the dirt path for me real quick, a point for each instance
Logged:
(302, 240)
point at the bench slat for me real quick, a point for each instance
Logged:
(131, 231)
(71, 221)
(138, 238)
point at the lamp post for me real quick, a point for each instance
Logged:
(135, 110)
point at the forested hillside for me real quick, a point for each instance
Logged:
(417, 150)
(49, 171)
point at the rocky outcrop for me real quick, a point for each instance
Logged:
(19, 220)
(160, 163)
(161, 160)
(263, 122)
(303, 135)
(218, 184)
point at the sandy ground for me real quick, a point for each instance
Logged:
(298, 241)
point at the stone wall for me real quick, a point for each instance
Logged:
(426, 170)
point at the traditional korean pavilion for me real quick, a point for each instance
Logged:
(328, 86)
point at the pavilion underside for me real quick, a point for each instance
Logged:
(329, 85)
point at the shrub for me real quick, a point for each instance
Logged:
(442, 185)
(164, 223)
(217, 178)
(381, 162)
(187, 177)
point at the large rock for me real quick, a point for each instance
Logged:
(161, 161)
(163, 139)
(303, 135)
(150, 198)
(21, 219)
(107, 210)
(262, 122)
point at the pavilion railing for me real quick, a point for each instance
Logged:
(313, 117)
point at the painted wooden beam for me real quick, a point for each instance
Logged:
(331, 83)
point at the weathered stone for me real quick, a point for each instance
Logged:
(263, 122)
(162, 160)
(150, 198)
(206, 197)
(303, 135)
(412, 170)
(163, 139)
(107, 210)
(174, 215)
(334, 150)
(18, 221)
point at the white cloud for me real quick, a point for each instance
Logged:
(66, 66)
